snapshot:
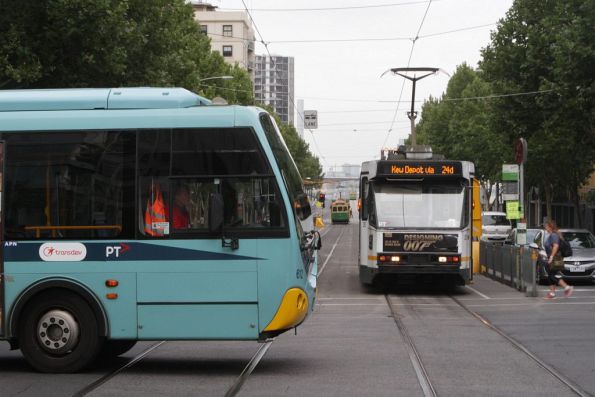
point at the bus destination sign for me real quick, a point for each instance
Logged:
(420, 168)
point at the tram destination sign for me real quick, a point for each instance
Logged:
(420, 168)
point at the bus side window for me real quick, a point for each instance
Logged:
(153, 189)
(234, 157)
(69, 185)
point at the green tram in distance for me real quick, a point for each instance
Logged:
(340, 211)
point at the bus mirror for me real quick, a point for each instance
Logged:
(215, 213)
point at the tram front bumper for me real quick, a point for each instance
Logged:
(369, 274)
(417, 269)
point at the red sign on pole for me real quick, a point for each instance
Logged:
(520, 151)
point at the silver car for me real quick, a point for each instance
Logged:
(579, 266)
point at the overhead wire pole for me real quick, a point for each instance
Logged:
(413, 114)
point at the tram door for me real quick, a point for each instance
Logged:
(2, 277)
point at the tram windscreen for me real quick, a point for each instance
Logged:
(420, 205)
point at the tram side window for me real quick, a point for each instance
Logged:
(69, 185)
(371, 208)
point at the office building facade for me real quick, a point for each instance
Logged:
(274, 84)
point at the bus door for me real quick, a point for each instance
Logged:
(2, 277)
(363, 223)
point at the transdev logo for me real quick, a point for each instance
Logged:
(62, 252)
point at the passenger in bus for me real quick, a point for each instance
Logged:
(181, 215)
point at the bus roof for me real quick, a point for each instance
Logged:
(99, 98)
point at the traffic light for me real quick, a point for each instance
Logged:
(321, 198)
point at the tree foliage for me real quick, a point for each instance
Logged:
(547, 47)
(111, 43)
(459, 126)
(544, 50)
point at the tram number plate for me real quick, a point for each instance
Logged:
(576, 269)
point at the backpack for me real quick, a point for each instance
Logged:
(565, 248)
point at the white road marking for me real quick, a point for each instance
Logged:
(331, 253)
(351, 299)
(352, 304)
(477, 292)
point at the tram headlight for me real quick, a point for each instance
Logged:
(448, 259)
(395, 259)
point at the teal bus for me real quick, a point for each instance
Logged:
(146, 214)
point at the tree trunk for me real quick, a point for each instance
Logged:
(577, 208)
(548, 200)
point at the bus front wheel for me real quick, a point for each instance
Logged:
(58, 333)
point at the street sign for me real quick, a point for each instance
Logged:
(521, 233)
(510, 184)
(311, 119)
(520, 151)
(510, 172)
(512, 210)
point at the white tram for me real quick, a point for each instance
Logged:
(415, 216)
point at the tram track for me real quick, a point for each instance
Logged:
(239, 382)
(551, 370)
(110, 375)
(418, 365)
(233, 390)
(420, 368)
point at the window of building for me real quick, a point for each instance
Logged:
(70, 185)
(228, 30)
(204, 29)
(227, 51)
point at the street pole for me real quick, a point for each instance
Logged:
(413, 114)
(520, 155)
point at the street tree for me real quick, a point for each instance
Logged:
(544, 49)
(459, 126)
(110, 43)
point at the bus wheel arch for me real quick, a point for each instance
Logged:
(58, 331)
(61, 284)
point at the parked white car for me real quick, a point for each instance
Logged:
(494, 226)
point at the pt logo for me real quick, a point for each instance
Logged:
(114, 251)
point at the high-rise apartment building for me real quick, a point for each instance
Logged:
(231, 32)
(274, 84)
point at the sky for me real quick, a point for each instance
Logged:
(359, 111)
